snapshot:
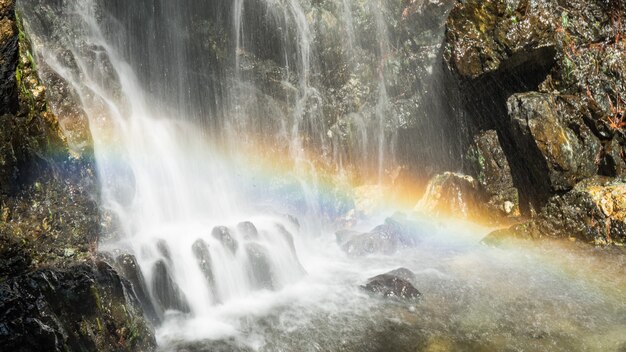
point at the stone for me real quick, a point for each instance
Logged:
(222, 234)
(165, 291)
(202, 254)
(129, 268)
(248, 230)
(260, 268)
(388, 238)
(390, 285)
(453, 194)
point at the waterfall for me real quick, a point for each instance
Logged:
(181, 95)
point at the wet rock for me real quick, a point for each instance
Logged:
(455, 195)
(165, 291)
(8, 55)
(203, 257)
(129, 268)
(391, 285)
(260, 269)
(164, 249)
(594, 211)
(403, 273)
(491, 169)
(487, 36)
(222, 234)
(292, 246)
(559, 149)
(386, 239)
(248, 230)
(82, 308)
(14, 257)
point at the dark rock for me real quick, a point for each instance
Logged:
(403, 273)
(78, 309)
(387, 239)
(391, 285)
(248, 230)
(132, 272)
(594, 211)
(260, 269)
(14, 257)
(222, 234)
(203, 257)
(292, 246)
(165, 291)
(491, 169)
(555, 145)
(8, 58)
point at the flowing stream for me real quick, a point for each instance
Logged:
(222, 148)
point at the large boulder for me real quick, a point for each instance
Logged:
(394, 284)
(395, 234)
(166, 291)
(453, 194)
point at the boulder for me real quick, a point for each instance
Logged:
(248, 230)
(129, 268)
(202, 254)
(453, 194)
(260, 268)
(222, 234)
(165, 291)
(392, 285)
(396, 233)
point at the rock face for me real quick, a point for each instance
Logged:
(82, 308)
(54, 294)
(394, 284)
(545, 78)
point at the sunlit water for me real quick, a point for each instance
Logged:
(168, 184)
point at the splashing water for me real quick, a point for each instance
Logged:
(185, 102)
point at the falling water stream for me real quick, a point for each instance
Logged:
(213, 134)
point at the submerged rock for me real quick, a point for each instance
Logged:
(165, 291)
(203, 257)
(394, 284)
(248, 230)
(132, 272)
(222, 234)
(387, 239)
(260, 269)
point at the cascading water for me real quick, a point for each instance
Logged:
(212, 121)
